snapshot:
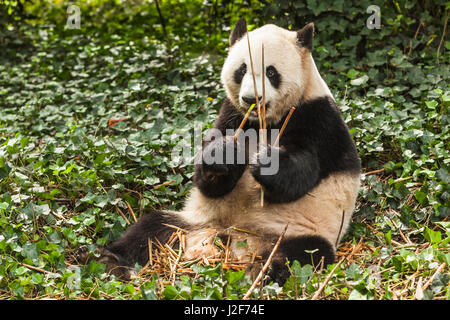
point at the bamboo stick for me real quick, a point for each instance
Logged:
(243, 121)
(263, 132)
(254, 81)
(266, 265)
(131, 211)
(257, 100)
(284, 126)
(324, 283)
(430, 281)
(264, 124)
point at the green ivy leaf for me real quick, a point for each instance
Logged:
(433, 237)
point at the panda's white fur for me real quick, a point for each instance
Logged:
(321, 212)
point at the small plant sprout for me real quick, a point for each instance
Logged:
(311, 252)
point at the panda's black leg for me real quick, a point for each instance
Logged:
(121, 256)
(305, 249)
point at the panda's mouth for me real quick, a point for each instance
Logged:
(254, 112)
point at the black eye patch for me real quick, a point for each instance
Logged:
(240, 73)
(274, 76)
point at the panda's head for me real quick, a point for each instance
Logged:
(290, 72)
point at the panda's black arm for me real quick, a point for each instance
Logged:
(216, 180)
(298, 172)
(216, 184)
(218, 171)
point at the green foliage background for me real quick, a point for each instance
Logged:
(65, 173)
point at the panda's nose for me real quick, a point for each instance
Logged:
(250, 100)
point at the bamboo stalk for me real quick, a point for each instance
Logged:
(418, 295)
(254, 81)
(150, 251)
(266, 265)
(324, 283)
(348, 257)
(430, 281)
(123, 215)
(257, 100)
(177, 261)
(57, 215)
(227, 249)
(284, 126)
(131, 211)
(175, 227)
(407, 240)
(264, 97)
(34, 268)
(247, 231)
(355, 249)
(442, 37)
(164, 184)
(263, 132)
(243, 121)
(261, 201)
(374, 172)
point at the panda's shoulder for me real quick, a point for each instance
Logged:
(313, 115)
(321, 108)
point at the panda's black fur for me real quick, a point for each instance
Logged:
(315, 146)
(316, 137)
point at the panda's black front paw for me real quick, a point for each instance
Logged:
(222, 164)
(265, 167)
(221, 156)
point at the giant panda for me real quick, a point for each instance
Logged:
(316, 186)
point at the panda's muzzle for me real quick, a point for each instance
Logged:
(251, 100)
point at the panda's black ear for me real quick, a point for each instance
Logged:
(240, 29)
(305, 36)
